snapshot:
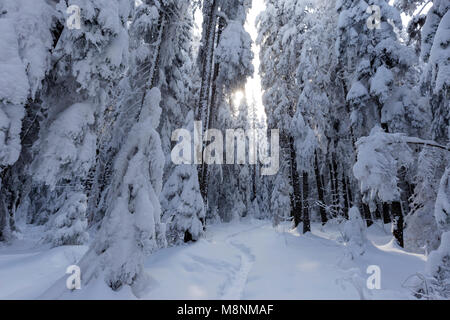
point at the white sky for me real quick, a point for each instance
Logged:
(253, 89)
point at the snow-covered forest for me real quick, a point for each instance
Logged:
(349, 101)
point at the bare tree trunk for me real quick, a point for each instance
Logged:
(334, 186)
(349, 192)
(5, 229)
(208, 80)
(320, 193)
(367, 215)
(150, 83)
(210, 113)
(345, 195)
(386, 210)
(306, 218)
(397, 219)
(296, 207)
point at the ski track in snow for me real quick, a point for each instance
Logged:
(235, 290)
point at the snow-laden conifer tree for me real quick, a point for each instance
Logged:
(442, 208)
(182, 204)
(131, 228)
(27, 31)
(280, 199)
(88, 63)
(435, 284)
(421, 230)
(68, 225)
(436, 51)
(355, 234)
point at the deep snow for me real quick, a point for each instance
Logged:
(241, 260)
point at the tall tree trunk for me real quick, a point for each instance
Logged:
(345, 195)
(306, 218)
(320, 193)
(367, 215)
(150, 83)
(296, 208)
(397, 219)
(349, 192)
(210, 112)
(204, 109)
(334, 186)
(5, 229)
(386, 215)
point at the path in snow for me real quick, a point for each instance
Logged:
(241, 260)
(235, 290)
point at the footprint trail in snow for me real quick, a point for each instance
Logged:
(235, 290)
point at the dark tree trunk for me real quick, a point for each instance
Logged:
(4, 219)
(386, 215)
(397, 219)
(378, 212)
(320, 193)
(349, 192)
(345, 195)
(296, 200)
(204, 110)
(306, 218)
(334, 186)
(367, 215)
(333, 195)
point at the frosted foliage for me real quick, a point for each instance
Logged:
(306, 141)
(355, 233)
(69, 225)
(25, 31)
(25, 42)
(357, 93)
(14, 86)
(235, 55)
(183, 205)
(432, 23)
(97, 52)
(181, 201)
(381, 83)
(132, 228)
(10, 127)
(379, 158)
(280, 199)
(440, 56)
(438, 267)
(442, 208)
(421, 230)
(68, 148)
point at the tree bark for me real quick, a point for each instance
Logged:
(204, 112)
(334, 187)
(320, 193)
(397, 219)
(306, 218)
(4, 219)
(386, 210)
(367, 215)
(296, 207)
(345, 195)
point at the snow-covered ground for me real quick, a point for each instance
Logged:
(241, 260)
